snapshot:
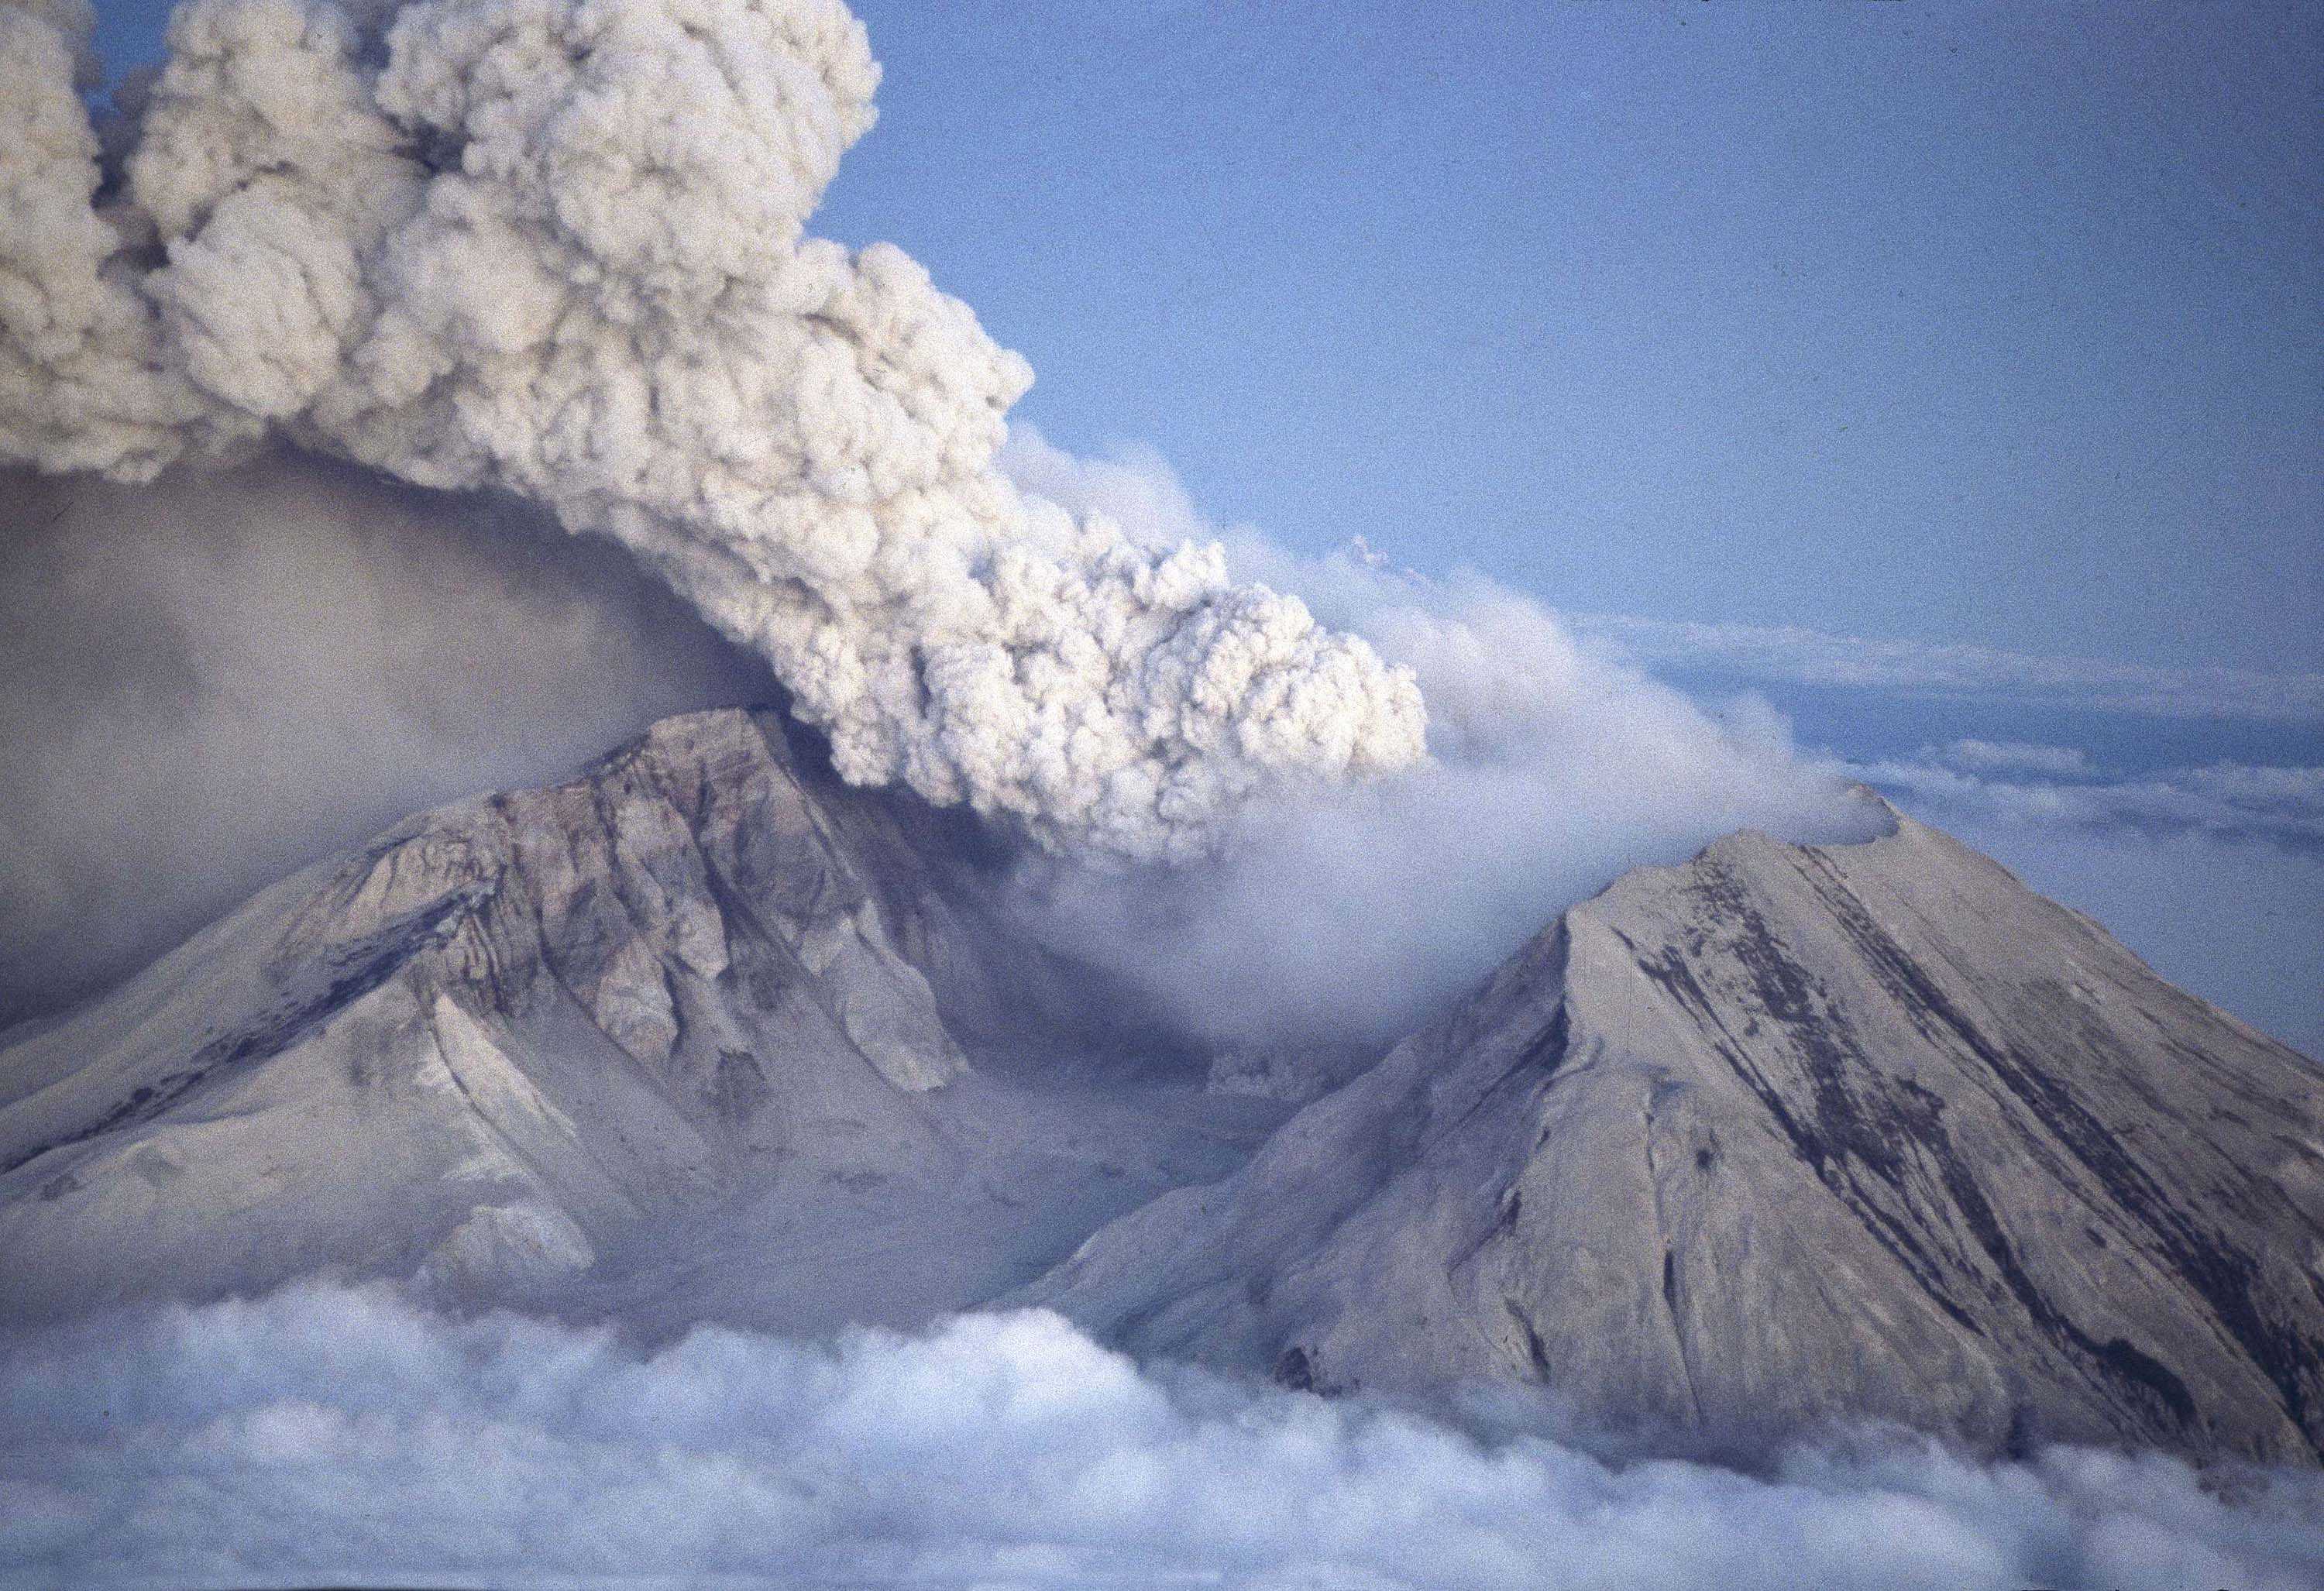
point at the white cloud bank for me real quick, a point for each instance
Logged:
(1794, 655)
(321, 1435)
(2061, 787)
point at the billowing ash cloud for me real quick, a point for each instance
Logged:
(1343, 918)
(558, 247)
(337, 1436)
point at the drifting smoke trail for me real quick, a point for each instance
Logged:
(1347, 918)
(558, 247)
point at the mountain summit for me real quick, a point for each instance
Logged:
(687, 1036)
(1784, 1136)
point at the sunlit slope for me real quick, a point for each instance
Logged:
(535, 1046)
(1784, 1134)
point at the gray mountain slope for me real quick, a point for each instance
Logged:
(1784, 1135)
(686, 1036)
(1781, 1135)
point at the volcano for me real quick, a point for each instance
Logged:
(1784, 1136)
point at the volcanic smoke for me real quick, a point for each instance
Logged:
(558, 247)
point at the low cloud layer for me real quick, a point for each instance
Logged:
(1793, 655)
(321, 1435)
(2063, 786)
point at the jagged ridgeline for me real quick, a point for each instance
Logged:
(1784, 1136)
(702, 1018)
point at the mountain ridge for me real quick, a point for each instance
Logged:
(1687, 1169)
(1779, 1136)
(516, 1030)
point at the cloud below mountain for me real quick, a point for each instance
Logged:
(322, 1434)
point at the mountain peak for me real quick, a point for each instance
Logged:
(516, 1030)
(1782, 1135)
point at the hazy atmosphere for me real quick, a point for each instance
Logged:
(1936, 373)
(1246, 517)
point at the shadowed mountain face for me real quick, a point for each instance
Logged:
(1781, 1135)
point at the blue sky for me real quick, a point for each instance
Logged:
(1962, 322)
(1982, 335)
(1978, 323)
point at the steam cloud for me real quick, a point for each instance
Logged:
(321, 1435)
(1343, 918)
(558, 247)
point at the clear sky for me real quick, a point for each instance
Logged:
(1995, 324)
(1986, 323)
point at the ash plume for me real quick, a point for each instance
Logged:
(1347, 917)
(217, 679)
(560, 249)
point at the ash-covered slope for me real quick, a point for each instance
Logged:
(1781, 1135)
(1784, 1135)
(686, 1035)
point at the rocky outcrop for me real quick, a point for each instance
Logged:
(515, 1030)
(1784, 1136)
